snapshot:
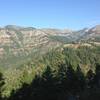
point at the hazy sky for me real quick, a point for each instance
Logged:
(73, 14)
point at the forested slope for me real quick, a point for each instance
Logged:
(64, 73)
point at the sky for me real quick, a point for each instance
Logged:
(72, 14)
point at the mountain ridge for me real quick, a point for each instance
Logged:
(20, 42)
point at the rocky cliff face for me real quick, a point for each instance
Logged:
(95, 30)
(18, 41)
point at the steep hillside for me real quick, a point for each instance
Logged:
(18, 44)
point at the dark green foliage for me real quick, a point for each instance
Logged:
(72, 85)
(61, 74)
(1, 84)
(90, 79)
(97, 76)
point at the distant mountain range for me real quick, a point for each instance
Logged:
(22, 42)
